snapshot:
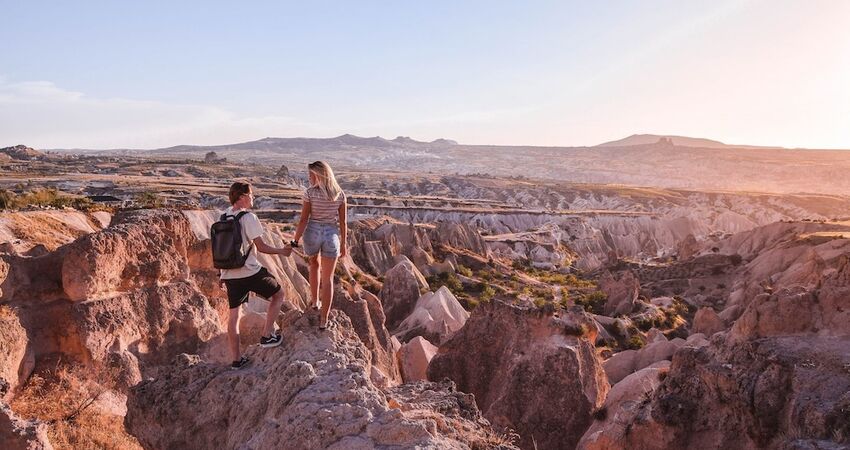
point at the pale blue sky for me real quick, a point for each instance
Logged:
(150, 74)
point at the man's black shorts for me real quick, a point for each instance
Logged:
(261, 283)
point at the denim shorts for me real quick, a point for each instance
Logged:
(322, 237)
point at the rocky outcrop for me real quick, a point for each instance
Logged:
(622, 291)
(375, 244)
(800, 310)
(20, 434)
(707, 322)
(767, 393)
(22, 152)
(436, 317)
(17, 359)
(367, 317)
(403, 285)
(687, 248)
(526, 367)
(460, 236)
(414, 358)
(312, 392)
(624, 363)
(623, 401)
(141, 249)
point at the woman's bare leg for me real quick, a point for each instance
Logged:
(314, 280)
(328, 267)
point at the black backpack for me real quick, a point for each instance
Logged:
(226, 236)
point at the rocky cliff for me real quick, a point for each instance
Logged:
(531, 370)
(312, 392)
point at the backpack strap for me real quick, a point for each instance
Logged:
(237, 217)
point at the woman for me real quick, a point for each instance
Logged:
(323, 225)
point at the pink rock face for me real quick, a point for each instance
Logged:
(403, 284)
(143, 248)
(132, 301)
(16, 356)
(530, 371)
(687, 248)
(707, 322)
(375, 244)
(460, 236)
(314, 391)
(414, 358)
(624, 363)
(367, 317)
(800, 310)
(778, 392)
(620, 408)
(436, 317)
(20, 434)
(622, 292)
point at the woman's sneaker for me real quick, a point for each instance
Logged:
(235, 365)
(269, 342)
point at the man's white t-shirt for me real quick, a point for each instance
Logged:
(251, 229)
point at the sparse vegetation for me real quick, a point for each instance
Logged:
(65, 399)
(42, 198)
(635, 342)
(447, 279)
(149, 200)
(463, 270)
(593, 302)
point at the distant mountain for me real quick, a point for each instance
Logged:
(680, 141)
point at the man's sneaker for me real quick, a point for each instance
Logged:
(243, 361)
(269, 342)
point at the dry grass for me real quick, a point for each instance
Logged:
(63, 398)
(42, 229)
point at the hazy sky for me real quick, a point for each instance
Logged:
(151, 74)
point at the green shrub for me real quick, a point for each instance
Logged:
(593, 302)
(635, 342)
(463, 270)
(487, 294)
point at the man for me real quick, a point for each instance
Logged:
(252, 276)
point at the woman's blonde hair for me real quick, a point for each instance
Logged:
(327, 180)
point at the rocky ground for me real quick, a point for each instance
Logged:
(471, 312)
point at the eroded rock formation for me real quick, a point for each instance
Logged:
(312, 392)
(526, 368)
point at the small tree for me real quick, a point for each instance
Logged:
(211, 157)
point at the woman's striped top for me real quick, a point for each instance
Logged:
(323, 210)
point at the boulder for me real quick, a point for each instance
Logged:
(414, 357)
(403, 285)
(622, 291)
(624, 363)
(141, 249)
(619, 410)
(526, 367)
(436, 317)
(313, 392)
(20, 434)
(707, 321)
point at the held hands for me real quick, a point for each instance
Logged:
(286, 251)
